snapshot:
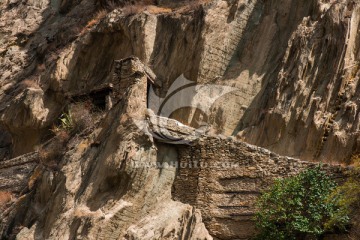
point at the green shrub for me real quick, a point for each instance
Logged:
(300, 206)
(348, 197)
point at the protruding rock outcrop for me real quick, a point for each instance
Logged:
(15, 173)
(109, 190)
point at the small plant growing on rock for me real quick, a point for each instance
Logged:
(76, 119)
(300, 207)
(66, 121)
(63, 128)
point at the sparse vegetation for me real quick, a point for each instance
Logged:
(301, 207)
(37, 173)
(51, 152)
(355, 70)
(29, 84)
(355, 160)
(82, 115)
(111, 4)
(130, 7)
(77, 118)
(348, 196)
(66, 121)
(98, 16)
(5, 197)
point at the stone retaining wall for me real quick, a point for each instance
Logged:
(223, 178)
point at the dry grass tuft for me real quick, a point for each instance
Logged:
(191, 5)
(96, 19)
(131, 7)
(51, 153)
(41, 67)
(354, 160)
(78, 118)
(34, 177)
(5, 197)
(29, 84)
(156, 10)
(81, 115)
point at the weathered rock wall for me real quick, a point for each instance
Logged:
(309, 109)
(99, 190)
(17, 176)
(32, 36)
(294, 65)
(15, 173)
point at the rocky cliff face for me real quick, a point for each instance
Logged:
(283, 76)
(311, 103)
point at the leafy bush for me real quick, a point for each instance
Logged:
(300, 206)
(348, 197)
